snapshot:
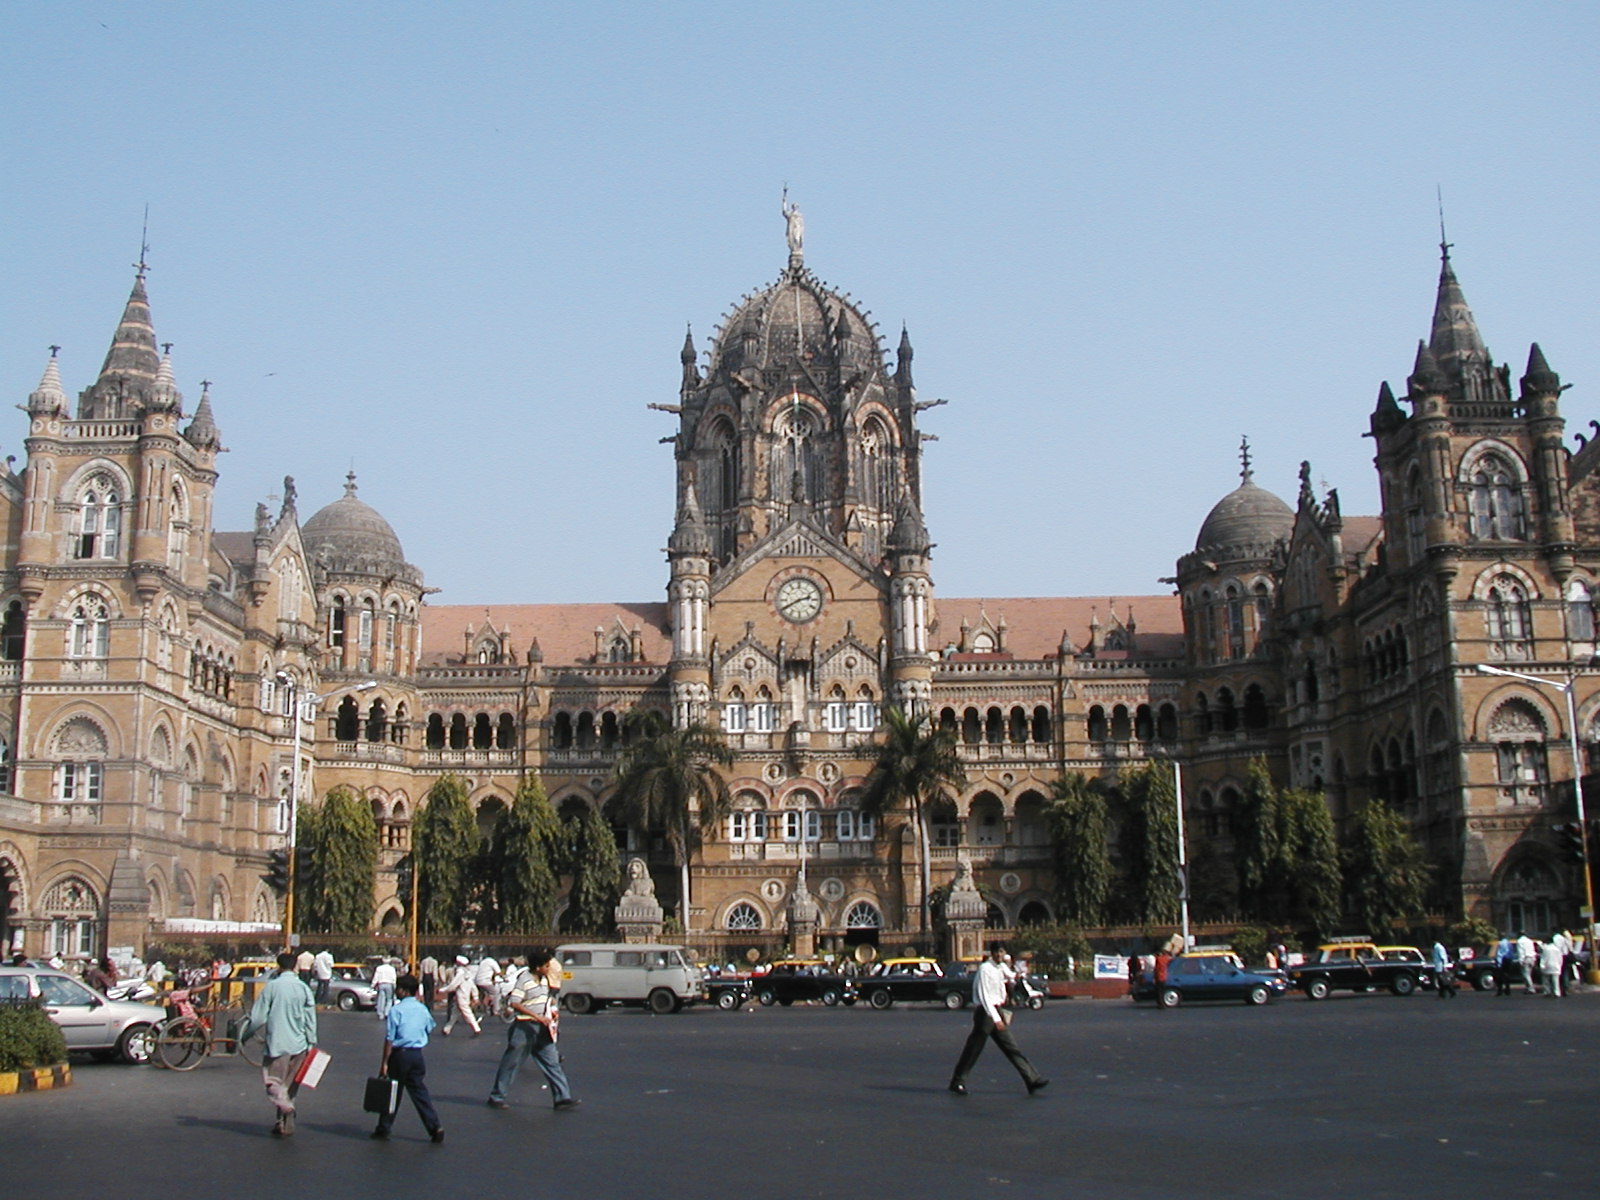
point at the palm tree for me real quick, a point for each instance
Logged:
(913, 765)
(668, 779)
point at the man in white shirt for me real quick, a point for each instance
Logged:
(485, 978)
(383, 980)
(322, 972)
(989, 1021)
(1527, 958)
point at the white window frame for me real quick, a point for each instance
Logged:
(734, 717)
(764, 715)
(864, 716)
(834, 716)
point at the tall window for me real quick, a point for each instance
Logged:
(91, 629)
(99, 519)
(364, 639)
(74, 910)
(1496, 512)
(336, 623)
(1580, 612)
(1518, 733)
(13, 632)
(1509, 618)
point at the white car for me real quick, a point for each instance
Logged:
(88, 1020)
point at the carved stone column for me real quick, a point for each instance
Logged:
(965, 913)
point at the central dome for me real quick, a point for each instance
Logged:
(797, 318)
(1247, 516)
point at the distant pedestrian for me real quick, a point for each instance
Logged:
(1563, 942)
(1444, 976)
(484, 979)
(1135, 968)
(1527, 956)
(405, 1036)
(1505, 964)
(535, 1029)
(302, 966)
(286, 1009)
(322, 972)
(383, 981)
(101, 976)
(428, 974)
(1551, 962)
(989, 1022)
(463, 998)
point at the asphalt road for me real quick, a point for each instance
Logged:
(1357, 1096)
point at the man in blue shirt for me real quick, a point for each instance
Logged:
(405, 1034)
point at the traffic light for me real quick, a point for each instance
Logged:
(277, 875)
(1569, 835)
(302, 865)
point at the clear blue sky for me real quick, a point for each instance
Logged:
(457, 245)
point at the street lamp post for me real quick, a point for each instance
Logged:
(1183, 853)
(1570, 690)
(309, 700)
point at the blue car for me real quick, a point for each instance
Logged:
(1209, 977)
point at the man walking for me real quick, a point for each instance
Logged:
(463, 996)
(322, 971)
(405, 1035)
(428, 970)
(989, 1021)
(534, 1031)
(1527, 959)
(383, 981)
(287, 1011)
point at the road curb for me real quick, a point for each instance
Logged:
(38, 1079)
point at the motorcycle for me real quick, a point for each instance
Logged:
(140, 990)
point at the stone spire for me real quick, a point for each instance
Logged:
(133, 347)
(691, 373)
(909, 534)
(1455, 341)
(49, 397)
(164, 395)
(902, 369)
(1538, 378)
(689, 536)
(1387, 414)
(202, 431)
(1426, 378)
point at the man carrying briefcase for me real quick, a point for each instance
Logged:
(405, 1035)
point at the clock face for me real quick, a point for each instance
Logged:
(799, 600)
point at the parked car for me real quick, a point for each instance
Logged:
(727, 992)
(351, 987)
(89, 1021)
(802, 979)
(1192, 977)
(914, 979)
(595, 974)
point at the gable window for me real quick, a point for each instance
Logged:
(91, 629)
(864, 716)
(834, 716)
(764, 715)
(1509, 618)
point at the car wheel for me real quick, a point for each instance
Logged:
(1318, 989)
(1257, 994)
(952, 1000)
(830, 997)
(1403, 985)
(347, 1002)
(580, 1003)
(728, 1001)
(880, 998)
(1169, 997)
(1484, 981)
(662, 1002)
(137, 1044)
(767, 999)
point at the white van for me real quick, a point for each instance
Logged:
(595, 974)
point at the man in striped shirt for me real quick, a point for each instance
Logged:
(533, 1002)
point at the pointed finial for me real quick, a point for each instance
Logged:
(1245, 474)
(350, 483)
(142, 267)
(1444, 242)
(54, 350)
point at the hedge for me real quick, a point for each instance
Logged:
(28, 1038)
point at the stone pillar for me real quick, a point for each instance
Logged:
(965, 913)
(639, 915)
(803, 917)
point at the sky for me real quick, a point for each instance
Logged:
(454, 247)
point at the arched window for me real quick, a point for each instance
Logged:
(1227, 714)
(377, 722)
(1256, 713)
(796, 458)
(1097, 724)
(1580, 612)
(1509, 618)
(91, 629)
(863, 914)
(1495, 501)
(73, 910)
(994, 727)
(364, 631)
(734, 713)
(748, 820)
(80, 771)
(99, 519)
(177, 530)
(1518, 733)
(435, 734)
(1121, 724)
(336, 623)
(1041, 724)
(1167, 723)
(347, 721)
(743, 915)
(1416, 529)
(1235, 605)
(561, 732)
(505, 731)
(458, 731)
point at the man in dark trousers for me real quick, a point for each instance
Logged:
(405, 1035)
(989, 1021)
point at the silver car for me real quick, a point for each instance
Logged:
(89, 1021)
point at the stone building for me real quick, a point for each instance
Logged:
(158, 676)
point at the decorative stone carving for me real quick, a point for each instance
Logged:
(965, 910)
(639, 916)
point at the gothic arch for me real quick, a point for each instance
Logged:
(1497, 708)
(83, 732)
(1491, 574)
(75, 482)
(744, 900)
(1487, 447)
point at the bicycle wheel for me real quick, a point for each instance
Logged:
(181, 1043)
(251, 1048)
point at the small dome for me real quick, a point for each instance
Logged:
(350, 536)
(798, 317)
(1247, 516)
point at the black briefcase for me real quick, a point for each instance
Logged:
(383, 1096)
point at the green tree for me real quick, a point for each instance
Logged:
(444, 841)
(1310, 853)
(912, 766)
(669, 779)
(1385, 874)
(1078, 819)
(1150, 842)
(1259, 844)
(527, 850)
(596, 874)
(342, 838)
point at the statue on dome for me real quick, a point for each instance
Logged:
(796, 225)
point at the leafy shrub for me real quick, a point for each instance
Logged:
(28, 1038)
(1474, 931)
(1059, 951)
(1250, 944)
